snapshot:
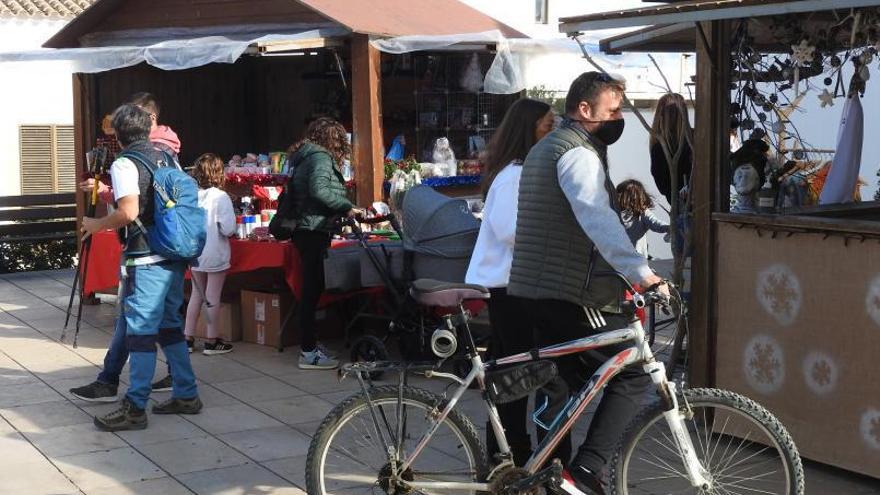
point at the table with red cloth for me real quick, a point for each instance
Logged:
(105, 253)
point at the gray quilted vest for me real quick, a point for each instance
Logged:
(552, 257)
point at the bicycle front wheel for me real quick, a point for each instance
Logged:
(348, 455)
(743, 448)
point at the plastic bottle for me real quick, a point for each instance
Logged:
(247, 212)
(767, 198)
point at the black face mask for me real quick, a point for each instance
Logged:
(609, 131)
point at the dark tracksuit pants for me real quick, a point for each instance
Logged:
(560, 321)
(312, 247)
(512, 333)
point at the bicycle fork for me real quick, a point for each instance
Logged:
(675, 420)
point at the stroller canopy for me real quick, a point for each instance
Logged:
(437, 224)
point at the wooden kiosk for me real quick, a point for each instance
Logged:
(785, 307)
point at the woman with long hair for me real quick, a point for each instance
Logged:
(319, 198)
(671, 127)
(526, 122)
(635, 212)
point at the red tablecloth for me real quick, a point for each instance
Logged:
(103, 264)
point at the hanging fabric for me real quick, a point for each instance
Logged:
(844, 173)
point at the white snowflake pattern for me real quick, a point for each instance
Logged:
(764, 364)
(869, 427)
(803, 52)
(779, 292)
(872, 300)
(820, 373)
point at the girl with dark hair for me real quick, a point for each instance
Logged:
(526, 122)
(635, 213)
(209, 273)
(319, 198)
(671, 127)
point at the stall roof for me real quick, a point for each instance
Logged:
(375, 17)
(671, 28)
(43, 9)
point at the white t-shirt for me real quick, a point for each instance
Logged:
(493, 253)
(220, 224)
(124, 175)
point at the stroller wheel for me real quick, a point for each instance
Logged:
(371, 349)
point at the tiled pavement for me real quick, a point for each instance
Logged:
(251, 438)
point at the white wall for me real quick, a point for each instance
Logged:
(30, 93)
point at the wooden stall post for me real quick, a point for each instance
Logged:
(710, 191)
(366, 96)
(83, 133)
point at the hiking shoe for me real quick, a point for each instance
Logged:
(580, 480)
(163, 385)
(95, 392)
(316, 360)
(218, 347)
(179, 406)
(127, 417)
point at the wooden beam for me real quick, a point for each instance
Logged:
(710, 193)
(293, 45)
(366, 105)
(84, 123)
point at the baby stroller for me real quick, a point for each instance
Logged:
(437, 238)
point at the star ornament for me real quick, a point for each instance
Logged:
(803, 52)
(826, 98)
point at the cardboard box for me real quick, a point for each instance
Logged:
(261, 316)
(228, 323)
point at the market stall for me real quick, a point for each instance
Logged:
(242, 79)
(784, 291)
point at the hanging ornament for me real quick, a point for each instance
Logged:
(803, 52)
(866, 58)
(748, 124)
(778, 127)
(762, 116)
(864, 73)
(828, 81)
(758, 133)
(734, 122)
(826, 98)
(773, 98)
(834, 61)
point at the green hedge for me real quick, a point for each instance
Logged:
(33, 256)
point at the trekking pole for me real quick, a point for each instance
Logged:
(97, 161)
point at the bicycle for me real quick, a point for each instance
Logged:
(399, 439)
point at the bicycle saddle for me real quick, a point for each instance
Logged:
(437, 293)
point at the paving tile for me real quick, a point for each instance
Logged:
(162, 428)
(211, 397)
(296, 410)
(268, 443)
(214, 369)
(27, 393)
(308, 429)
(33, 477)
(40, 417)
(293, 469)
(261, 389)
(193, 454)
(107, 468)
(319, 382)
(227, 419)
(73, 439)
(159, 486)
(246, 479)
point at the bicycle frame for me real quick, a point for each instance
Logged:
(640, 352)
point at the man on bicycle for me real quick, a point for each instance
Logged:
(568, 233)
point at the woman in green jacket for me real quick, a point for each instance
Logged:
(319, 198)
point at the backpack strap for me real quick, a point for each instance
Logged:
(151, 167)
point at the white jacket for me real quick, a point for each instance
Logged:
(220, 221)
(493, 253)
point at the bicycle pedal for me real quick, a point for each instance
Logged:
(551, 476)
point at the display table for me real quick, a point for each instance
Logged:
(104, 255)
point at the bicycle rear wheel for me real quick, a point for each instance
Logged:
(347, 456)
(742, 446)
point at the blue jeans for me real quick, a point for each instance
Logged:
(117, 355)
(153, 296)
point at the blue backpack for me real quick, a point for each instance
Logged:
(178, 230)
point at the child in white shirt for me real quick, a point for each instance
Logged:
(209, 271)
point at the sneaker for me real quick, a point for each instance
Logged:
(217, 347)
(327, 352)
(316, 360)
(127, 417)
(190, 345)
(163, 385)
(95, 392)
(581, 481)
(179, 406)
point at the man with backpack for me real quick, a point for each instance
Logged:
(105, 386)
(158, 237)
